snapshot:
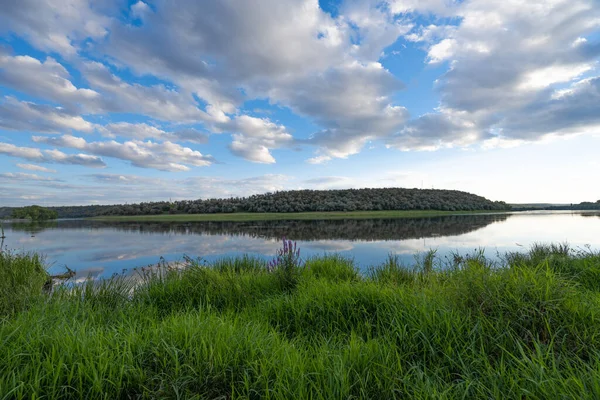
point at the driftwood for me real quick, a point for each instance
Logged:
(67, 275)
(60, 277)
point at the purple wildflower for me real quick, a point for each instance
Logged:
(288, 257)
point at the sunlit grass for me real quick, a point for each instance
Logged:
(458, 328)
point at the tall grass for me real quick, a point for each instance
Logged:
(22, 278)
(529, 328)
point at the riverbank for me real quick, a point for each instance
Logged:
(314, 329)
(288, 216)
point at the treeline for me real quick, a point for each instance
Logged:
(298, 201)
(586, 205)
(320, 200)
(65, 211)
(34, 213)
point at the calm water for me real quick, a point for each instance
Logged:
(101, 249)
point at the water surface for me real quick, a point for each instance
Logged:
(100, 249)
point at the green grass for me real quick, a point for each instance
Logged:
(529, 329)
(22, 277)
(286, 216)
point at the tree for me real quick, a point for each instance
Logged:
(34, 213)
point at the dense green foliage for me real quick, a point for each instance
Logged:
(529, 329)
(295, 201)
(22, 277)
(34, 213)
(65, 211)
(322, 200)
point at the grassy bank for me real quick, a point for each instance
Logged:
(285, 216)
(314, 329)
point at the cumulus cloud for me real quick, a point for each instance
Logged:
(437, 130)
(567, 111)
(506, 59)
(140, 10)
(273, 38)
(439, 7)
(254, 137)
(156, 101)
(165, 156)
(51, 156)
(54, 25)
(26, 116)
(145, 131)
(373, 27)
(297, 55)
(352, 102)
(512, 73)
(48, 80)
(34, 167)
(322, 67)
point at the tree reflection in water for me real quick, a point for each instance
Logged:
(349, 229)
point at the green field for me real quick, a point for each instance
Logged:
(309, 330)
(286, 216)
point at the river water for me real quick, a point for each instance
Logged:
(101, 249)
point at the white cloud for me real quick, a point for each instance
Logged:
(75, 159)
(25, 116)
(28, 153)
(373, 27)
(508, 61)
(165, 156)
(546, 76)
(506, 58)
(440, 7)
(50, 156)
(54, 25)
(272, 39)
(156, 101)
(352, 102)
(21, 177)
(48, 80)
(254, 137)
(295, 54)
(576, 110)
(251, 150)
(433, 131)
(318, 159)
(140, 9)
(144, 131)
(34, 167)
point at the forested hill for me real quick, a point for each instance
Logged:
(325, 200)
(300, 201)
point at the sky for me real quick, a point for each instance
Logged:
(107, 102)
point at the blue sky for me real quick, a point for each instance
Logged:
(114, 101)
